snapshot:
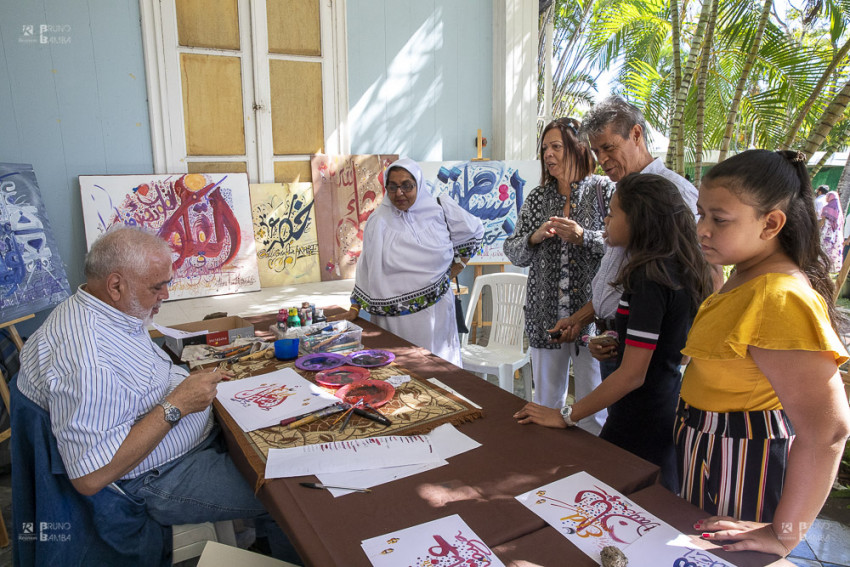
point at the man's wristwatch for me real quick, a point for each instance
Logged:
(172, 414)
(566, 413)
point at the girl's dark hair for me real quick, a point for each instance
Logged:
(663, 237)
(574, 150)
(779, 180)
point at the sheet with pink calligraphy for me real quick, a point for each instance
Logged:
(592, 516)
(263, 401)
(447, 542)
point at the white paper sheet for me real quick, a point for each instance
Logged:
(177, 333)
(447, 389)
(444, 542)
(351, 455)
(669, 547)
(592, 515)
(447, 441)
(264, 400)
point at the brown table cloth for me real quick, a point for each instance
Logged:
(479, 485)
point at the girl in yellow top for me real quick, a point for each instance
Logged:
(764, 360)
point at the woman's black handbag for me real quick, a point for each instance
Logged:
(459, 314)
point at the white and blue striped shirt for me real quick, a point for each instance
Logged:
(96, 371)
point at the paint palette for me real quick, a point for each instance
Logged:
(341, 376)
(373, 392)
(319, 361)
(370, 358)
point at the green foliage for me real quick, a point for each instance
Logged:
(635, 38)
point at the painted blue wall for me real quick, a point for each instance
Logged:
(73, 97)
(72, 102)
(420, 77)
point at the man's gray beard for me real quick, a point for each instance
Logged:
(136, 310)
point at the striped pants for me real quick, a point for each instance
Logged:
(733, 464)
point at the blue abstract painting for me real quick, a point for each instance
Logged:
(32, 275)
(493, 191)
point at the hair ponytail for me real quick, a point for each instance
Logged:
(780, 180)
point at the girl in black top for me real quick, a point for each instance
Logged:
(664, 281)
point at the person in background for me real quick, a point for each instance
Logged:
(413, 244)
(559, 236)
(764, 363)
(616, 132)
(831, 221)
(820, 198)
(664, 279)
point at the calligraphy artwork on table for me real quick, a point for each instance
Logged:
(590, 513)
(493, 191)
(346, 189)
(265, 400)
(669, 548)
(447, 542)
(285, 233)
(265, 396)
(206, 218)
(32, 275)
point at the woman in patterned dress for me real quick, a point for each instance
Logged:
(832, 230)
(412, 246)
(559, 236)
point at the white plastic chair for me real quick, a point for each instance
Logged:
(190, 539)
(504, 353)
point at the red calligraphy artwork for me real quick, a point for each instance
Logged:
(347, 189)
(206, 218)
(264, 397)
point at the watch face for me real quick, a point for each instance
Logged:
(172, 415)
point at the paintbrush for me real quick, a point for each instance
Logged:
(320, 486)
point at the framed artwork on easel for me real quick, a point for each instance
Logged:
(32, 275)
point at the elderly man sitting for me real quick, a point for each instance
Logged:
(123, 415)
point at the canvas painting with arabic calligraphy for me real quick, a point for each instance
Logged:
(32, 275)
(440, 543)
(591, 514)
(206, 218)
(347, 190)
(285, 232)
(493, 191)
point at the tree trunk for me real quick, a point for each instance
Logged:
(705, 58)
(843, 187)
(828, 152)
(732, 115)
(678, 124)
(831, 115)
(801, 114)
(676, 30)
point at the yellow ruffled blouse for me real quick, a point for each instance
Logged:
(772, 311)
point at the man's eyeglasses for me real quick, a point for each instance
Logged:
(405, 187)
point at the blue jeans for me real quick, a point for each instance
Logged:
(204, 486)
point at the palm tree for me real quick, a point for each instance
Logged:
(744, 78)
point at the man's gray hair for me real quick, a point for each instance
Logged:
(616, 112)
(124, 249)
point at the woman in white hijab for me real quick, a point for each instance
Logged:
(413, 245)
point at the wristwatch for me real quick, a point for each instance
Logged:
(172, 413)
(566, 413)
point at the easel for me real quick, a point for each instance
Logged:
(4, 393)
(479, 307)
